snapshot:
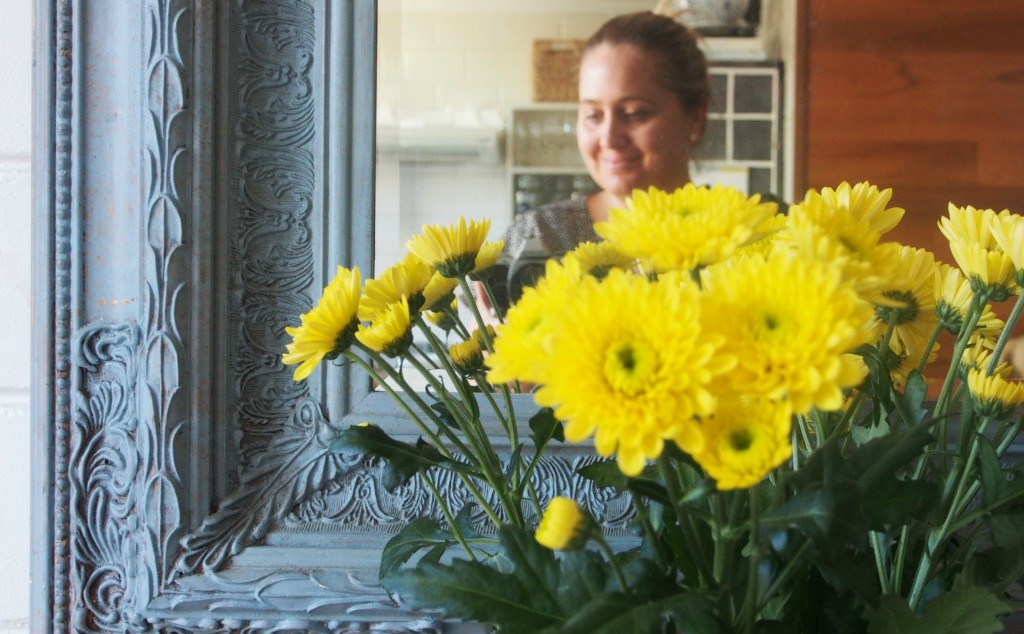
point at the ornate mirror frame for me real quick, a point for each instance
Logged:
(199, 165)
(202, 166)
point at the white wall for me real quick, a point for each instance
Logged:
(15, 318)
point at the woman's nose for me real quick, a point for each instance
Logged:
(611, 133)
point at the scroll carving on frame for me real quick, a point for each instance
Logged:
(204, 171)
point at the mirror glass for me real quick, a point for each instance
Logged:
(476, 108)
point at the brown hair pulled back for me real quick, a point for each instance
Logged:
(681, 66)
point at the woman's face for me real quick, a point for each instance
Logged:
(631, 132)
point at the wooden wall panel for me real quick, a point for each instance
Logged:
(924, 97)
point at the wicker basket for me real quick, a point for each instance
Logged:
(556, 64)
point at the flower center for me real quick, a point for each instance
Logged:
(904, 313)
(740, 440)
(628, 366)
(770, 326)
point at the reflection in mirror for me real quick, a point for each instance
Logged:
(474, 118)
(477, 109)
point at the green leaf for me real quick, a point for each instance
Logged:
(546, 427)
(584, 578)
(993, 482)
(520, 601)
(961, 610)
(966, 609)
(444, 413)
(420, 533)
(403, 461)
(606, 473)
(898, 502)
(472, 591)
(892, 616)
(621, 614)
(830, 515)
(910, 404)
(883, 457)
(1003, 564)
(428, 533)
(863, 434)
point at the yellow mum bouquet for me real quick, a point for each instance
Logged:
(755, 384)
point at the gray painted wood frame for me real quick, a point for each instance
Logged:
(201, 167)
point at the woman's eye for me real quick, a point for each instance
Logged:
(634, 115)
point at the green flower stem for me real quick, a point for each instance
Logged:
(896, 582)
(1006, 437)
(487, 459)
(448, 516)
(481, 324)
(684, 519)
(457, 320)
(928, 347)
(434, 438)
(718, 565)
(970, 323)
(883, 575)
(489, 395)
(794, 442)
(609, 555)
(644, 516)
(534, 498)
(484, 450)
(457, 380)
(748, 613)
(407, 389)
(801, 425)
(1007, 332)
(784, 575)
(492, 299)
(936, 538)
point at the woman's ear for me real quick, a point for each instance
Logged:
(699, 123)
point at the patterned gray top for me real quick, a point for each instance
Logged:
(560, 226)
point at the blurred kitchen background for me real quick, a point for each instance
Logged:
(476, 105)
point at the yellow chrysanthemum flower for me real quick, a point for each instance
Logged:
(630, 365)
(440, 292)
(744, 440)
(978, 356)
(911, 292)
(488, 333)
(520, 352)
(327, 329)
(390, 331)
(1008, 233)
(791, 323)
(988, 270)
(953, 297)
(597, 258)
(452, 250)
(970, 225)
(994, 395)
(685, 229)
(564, 526)
(408, 279)
(467, 356)
(443, 319)
(818, 230)
(764, 237)
(486, 258)
(865, 203)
